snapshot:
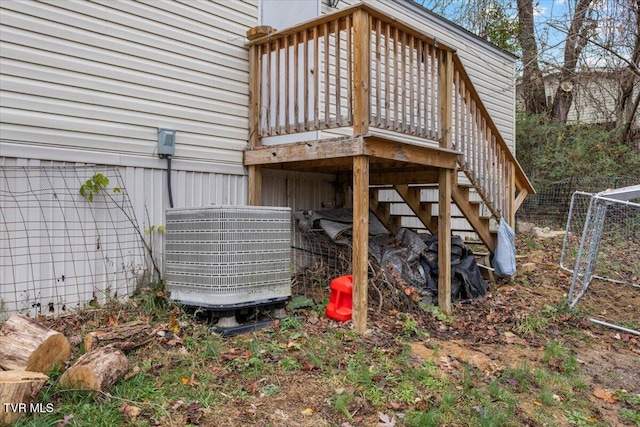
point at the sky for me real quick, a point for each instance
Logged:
(549, 14)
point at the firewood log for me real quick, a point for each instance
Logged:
(18, 390)
(97, 370)
(124, 337)
(26, 345)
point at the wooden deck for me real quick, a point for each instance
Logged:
(356, 72)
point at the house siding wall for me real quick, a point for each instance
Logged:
(89, 83)
(104, 75)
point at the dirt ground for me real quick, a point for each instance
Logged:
(484, 334)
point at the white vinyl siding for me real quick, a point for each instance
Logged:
(57, 253)
(105, 75)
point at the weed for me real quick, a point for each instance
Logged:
(435, 311)
(532, 324)
(409, 326)
(519, 377)
(358, 371)
(546, 397)
(431, 418)
(341, 405)
(577, 418)
(152, 299)
(299, 302)
(625, 396)
(630, 415)
(558, 357)
(270, 390)
(490, 416)
(405, 392)
(289, 364)
(98, 184)
(289, 323)
(203, 343)
(532, 243)
(500, 394)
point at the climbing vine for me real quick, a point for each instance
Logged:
(98, 184)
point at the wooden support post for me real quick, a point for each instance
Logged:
(444, 241)
(361, 71)
(361, 111)
(445, 184)
(255, 172)
(360, 256)
(255, 185)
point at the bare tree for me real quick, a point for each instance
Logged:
(535, 100)
(592, 47)
(628, 96)
(582, 27)
(489, 19)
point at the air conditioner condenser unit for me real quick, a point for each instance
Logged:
(225, 258)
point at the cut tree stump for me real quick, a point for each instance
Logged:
(124, 337)
(97, 370)
(18, 389)
(26, 345)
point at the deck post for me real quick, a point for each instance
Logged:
(255, 185)
(361, 111)
(360, 257)
(445, 182)
(254, 171)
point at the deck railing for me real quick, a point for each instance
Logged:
(359, 68)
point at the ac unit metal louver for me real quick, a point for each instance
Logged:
(228, 257)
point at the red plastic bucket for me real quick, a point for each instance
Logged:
(340, 300)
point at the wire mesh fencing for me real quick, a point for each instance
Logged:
(549, 207)
(60, 251)
(601, 249)
(316, 260)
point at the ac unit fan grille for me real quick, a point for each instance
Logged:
(228, 255)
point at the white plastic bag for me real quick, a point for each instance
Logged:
(504, 259)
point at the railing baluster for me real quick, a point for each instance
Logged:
(425, 70)
(494, 177)
(286, 84)
(316, 79)
(305, 89)
(396, 57)
(485, 158)
(268, 88)
(327, 78)
(378, 61)
(387, 76)
(295, 122)
(419, 53)
(277, 91)
(348, 25)
(403, 120)
(469, 118)
(411, 86)
(338, 48)
(434, 103)
(474, 137)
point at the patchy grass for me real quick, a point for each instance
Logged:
(518, 357)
